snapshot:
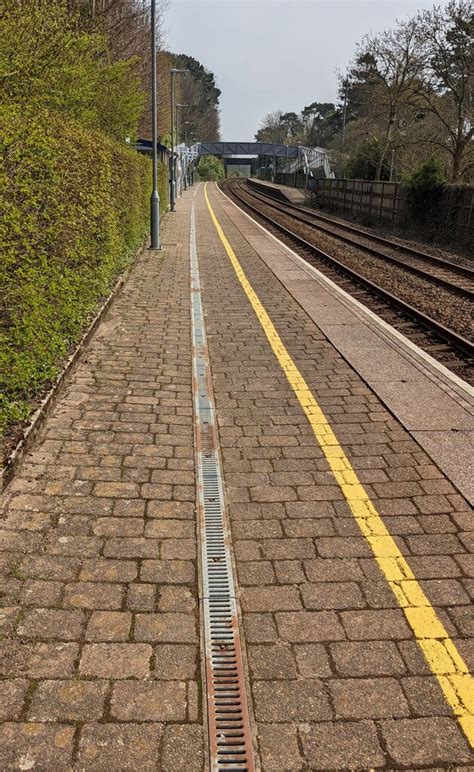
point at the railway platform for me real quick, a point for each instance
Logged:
(243, 538)
(287, 193)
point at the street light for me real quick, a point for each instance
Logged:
(178, 142)
(174, 71)
(155, 198)
(187, 180)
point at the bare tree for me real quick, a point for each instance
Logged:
(385, 73)
(445, 91)
(272, 129)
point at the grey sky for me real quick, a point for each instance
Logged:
(268, 55)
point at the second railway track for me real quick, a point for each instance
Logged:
(445, 342)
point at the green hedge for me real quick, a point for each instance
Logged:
(76, 207)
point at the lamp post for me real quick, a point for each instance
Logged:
(178, 106)
(344, 114)
(155, 198)
(174, 71)
(186, 176)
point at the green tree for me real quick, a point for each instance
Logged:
(210, 168)
(365, 164)
(59, 68)
(423, 189)
(200, 93)
(446, 89)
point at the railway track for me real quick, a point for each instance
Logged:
(429, 267)
(444, 343)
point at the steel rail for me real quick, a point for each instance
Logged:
(425, 256)
(445, 333)
(297, 215)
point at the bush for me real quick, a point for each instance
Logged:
(47, 62)
(210, 168)
(74, 196)
(75, 207)
(423, 190)
(364, 164)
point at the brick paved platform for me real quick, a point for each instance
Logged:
(101, 655)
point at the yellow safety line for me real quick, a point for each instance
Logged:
(440, 652)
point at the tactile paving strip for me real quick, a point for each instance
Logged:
(230, 743)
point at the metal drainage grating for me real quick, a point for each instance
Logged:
(230, 743)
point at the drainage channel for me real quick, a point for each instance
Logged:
(230, 742)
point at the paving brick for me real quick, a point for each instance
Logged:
(106, 570)
(287, 549)
(129, 508)
(178, 549)
(368, 698)
(255, 573)
(425, 696)
(278, 744)
(295, 700)
(289, 571)
(170, 529)
(369, 625)
(163, 701)
(168, 628)
(168, 571)
(436, 566)
(109, 626)
(333, 570)
(41, 593)
(52, 624)
(13, 696)
(463, 618)
(25, 743)
(116, 660)
(309, 509)
(46, 567)
(256, 529)
(171, 509)
(175, 661)
(68, 701)
(245, 549)
(332, 595)
(425, 741)
(176, 598)
(343, 547)
(338, 745)
(141, 597)
(132, 548)
(309, 626)
(118, 526)
(103, 747)
(438, 544)
(271, 662)
(183, 748)
(86, 546)
(93, 595)
(260, 628)
(445, 592)
(312, 660)
(368, 658)
(273, 598)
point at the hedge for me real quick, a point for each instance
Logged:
(76, 206)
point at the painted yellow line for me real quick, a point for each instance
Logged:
(440, 652)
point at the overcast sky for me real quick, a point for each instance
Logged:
(271, 54)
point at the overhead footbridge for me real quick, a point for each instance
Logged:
(262, 159)
(271, 157)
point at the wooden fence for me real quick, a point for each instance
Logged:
(385, 201)
(370, 200)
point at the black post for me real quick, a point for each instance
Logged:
(155, 197)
